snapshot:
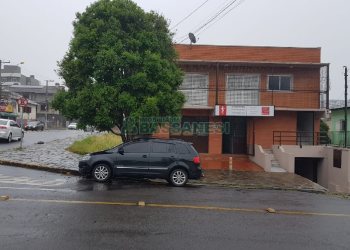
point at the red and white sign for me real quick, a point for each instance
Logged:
(222, 110)
(22, 102)
(228, 110)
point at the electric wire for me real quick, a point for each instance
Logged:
(215, 16)
(189, 15)
(220, 14)
(214, 13)
(234, 7)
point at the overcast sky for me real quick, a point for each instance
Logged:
(38, 31)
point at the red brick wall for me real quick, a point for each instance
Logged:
(248, 53)
(264, 126)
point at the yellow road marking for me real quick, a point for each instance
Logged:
(183, 206)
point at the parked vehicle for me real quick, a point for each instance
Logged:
(173, 160)
(72, 125)
(10, 130)
(34, 125)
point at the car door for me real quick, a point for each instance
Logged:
(133, 159)
(15, 129)
(162, 156)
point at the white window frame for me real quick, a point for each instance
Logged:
(229, 90)
(279, 90)
(183, 90)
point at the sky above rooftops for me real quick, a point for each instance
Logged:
(38, 31)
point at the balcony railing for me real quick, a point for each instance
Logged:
(300, 138)
(299, 99)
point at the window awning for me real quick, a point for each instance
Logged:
(5, 114)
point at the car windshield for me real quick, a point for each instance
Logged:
(32, 123)
(3, 122)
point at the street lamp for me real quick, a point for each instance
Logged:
(47, 102)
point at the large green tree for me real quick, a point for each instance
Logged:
(120, 63)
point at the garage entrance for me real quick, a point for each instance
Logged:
(307, 167)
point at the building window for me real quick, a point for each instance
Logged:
(27, 110)
(242, 89)
(280, 82)
(43, 107)
(340, 125)
(337, 158)
(195, 88)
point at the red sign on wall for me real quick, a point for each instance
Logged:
(222, 110)
(22, 102)
(265, 111)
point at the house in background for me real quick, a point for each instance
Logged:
(337, 127)
(262, 97)
(42, 95)
(9, 108)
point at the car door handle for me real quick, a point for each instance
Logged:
(144, 156)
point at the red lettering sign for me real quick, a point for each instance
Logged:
(222, 110)
(265, 111)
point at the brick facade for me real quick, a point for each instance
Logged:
(303, 64)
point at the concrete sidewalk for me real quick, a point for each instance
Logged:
(54, 158)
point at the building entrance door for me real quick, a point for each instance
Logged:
(234, 140)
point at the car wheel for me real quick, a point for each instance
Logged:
(102, 172)
(9, 139)
(178, 177)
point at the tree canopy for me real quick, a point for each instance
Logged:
(120, 63)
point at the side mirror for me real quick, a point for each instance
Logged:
(121, 151)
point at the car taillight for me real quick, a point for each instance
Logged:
(3, 127)
(196, 160)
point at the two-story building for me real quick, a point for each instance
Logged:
(42, 95)
(260, 96)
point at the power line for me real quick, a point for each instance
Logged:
(234, 7)
(184, 37)
(185, 18)
(215, 16)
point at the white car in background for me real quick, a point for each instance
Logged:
(72, 125)
(10, 130)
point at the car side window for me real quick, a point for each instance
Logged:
(182, 149)
(137, 147)
(161, 147)
(13, 124)
(171, 148)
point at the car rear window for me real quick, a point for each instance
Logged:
(161, 147)
(182, 149)
(137, 147)
(2, 122)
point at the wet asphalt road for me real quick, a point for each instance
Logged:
(50, 211)
(32, 137)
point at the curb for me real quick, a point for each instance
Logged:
(215, 184)
(39, 167)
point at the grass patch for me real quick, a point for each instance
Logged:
(95, 143)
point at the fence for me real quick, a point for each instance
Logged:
(300, 138)
(338, 138)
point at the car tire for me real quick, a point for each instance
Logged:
(102, 172)
(178, 177)
(9, 139)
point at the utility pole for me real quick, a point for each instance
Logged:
(346, 106)
(46, 102)
(1, 62)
